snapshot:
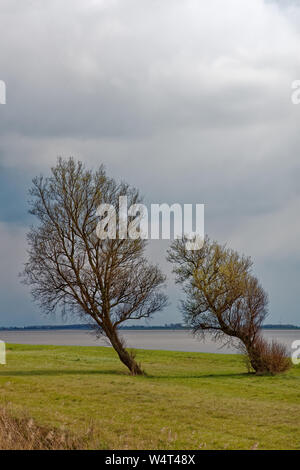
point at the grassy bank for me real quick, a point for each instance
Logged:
(187, 401)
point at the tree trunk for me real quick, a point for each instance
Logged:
(255, 359)
(124, 355)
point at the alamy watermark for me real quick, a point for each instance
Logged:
(137, 222)
(2, 92)
(2, 352)
(296, 353)
(295, 96)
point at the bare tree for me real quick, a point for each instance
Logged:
(222, 296)
(105, 280)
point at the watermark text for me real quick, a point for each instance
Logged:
(2, 92)
(162, 221)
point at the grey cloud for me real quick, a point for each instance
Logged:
(186, 100)
(127, 71)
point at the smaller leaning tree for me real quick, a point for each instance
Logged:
(107, 281)
(224, 298)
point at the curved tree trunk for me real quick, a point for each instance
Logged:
(124, 356)
(255, 361)
(255, 358)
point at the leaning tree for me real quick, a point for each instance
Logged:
(70, 269)
(223, 298)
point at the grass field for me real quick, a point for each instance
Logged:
(187, 400)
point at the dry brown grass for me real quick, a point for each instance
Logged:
(23, 433)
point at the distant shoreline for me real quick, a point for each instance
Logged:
(133, 328)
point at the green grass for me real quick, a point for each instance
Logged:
(187, 400)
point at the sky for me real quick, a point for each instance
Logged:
(188, 101)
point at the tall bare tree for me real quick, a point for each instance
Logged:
(224, 298)
(108, 281)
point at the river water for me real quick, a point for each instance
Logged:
(172, 340)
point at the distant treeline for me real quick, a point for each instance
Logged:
(281, 327)
(170, 326)
(84, 326)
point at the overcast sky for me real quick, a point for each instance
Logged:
(190, 101)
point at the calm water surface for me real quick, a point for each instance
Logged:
(172, 340)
